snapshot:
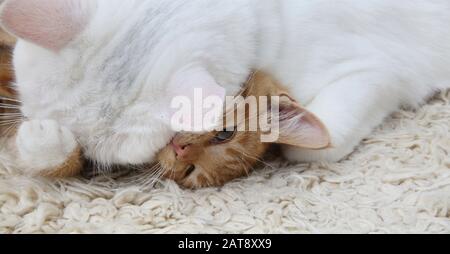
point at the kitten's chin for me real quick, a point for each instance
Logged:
(166, 158)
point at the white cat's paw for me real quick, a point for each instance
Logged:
(43, 145)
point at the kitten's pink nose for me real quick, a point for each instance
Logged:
(181, 150)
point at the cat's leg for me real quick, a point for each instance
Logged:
(350, 109)
(47, 149)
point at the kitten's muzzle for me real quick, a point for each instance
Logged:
(183, 151)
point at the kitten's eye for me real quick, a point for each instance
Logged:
(223, 136)
(190, 169)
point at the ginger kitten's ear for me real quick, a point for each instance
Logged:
(301, 128)
(51, 24)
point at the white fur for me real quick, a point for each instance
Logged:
(351, 62)
(44, 145)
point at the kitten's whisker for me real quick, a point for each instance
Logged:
(144, 178)
(247, 168)
(2, 119)
(9, 122)
(9, 99)
(156, 178)
(153, 169)
(9, 130)
(11, 117)
(161, 172)
(148, 178)
(158, 172)
(13, 120)
(10, 113)
(259, 160)
(9, 106)
(172, 173)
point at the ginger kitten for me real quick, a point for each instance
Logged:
(215, 158)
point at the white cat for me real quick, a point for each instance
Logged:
(100, 72)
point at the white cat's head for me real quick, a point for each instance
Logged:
(107, 70)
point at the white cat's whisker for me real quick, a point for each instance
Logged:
(101, 169)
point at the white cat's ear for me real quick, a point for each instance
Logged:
(202, 97)
(51, 24)
(299, 127)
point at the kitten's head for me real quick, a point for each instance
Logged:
(215, 158)
(107, 70)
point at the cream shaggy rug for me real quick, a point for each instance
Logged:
(397, 182)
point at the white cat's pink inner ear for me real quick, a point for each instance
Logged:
(198, 87)
(51, 24)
